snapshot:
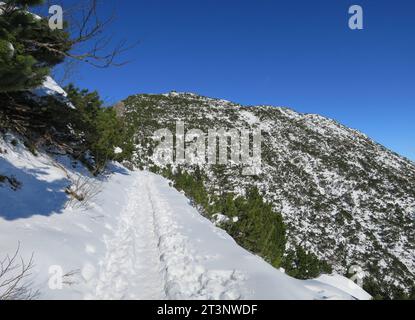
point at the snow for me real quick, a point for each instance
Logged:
(219, 218)
(117, 150)
(51, 88)
(137, 239)
(249, 117)
(11, 50)
(346, 285)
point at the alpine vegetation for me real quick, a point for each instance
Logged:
(197, 148)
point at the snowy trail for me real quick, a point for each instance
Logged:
(149, 258)
(132, 268)
(185, 273)
(164, 249)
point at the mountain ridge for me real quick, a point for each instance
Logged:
(289, 108)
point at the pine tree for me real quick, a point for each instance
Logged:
(301, 264)
(28, 47)
(229, 207)
(259, 229)
(100, 127)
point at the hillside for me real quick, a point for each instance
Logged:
(135, 238)
(343, 197)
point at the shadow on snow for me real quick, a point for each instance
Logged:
(35, 196)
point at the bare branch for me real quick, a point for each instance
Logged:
(14, 278)
(89, 42)
(82, 191)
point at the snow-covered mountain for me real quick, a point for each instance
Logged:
(343, 196)
(130, 236)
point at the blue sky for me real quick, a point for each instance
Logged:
(293, 53)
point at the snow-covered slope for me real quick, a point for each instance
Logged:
(50, 88)
(343, 196)
(136, 239)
